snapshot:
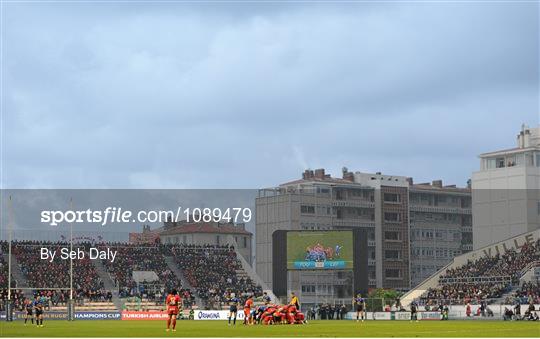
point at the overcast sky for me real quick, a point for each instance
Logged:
(132, 95)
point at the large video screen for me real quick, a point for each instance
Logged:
(310, 250)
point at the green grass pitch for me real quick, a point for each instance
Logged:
(320, 328)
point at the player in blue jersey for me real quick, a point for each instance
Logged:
(360, 307)
(39, 306)
(233, 307)
(29, 307)
(266, 298)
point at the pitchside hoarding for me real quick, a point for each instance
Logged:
(216, 315)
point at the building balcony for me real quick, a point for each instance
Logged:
(353, 203)
(440, 209)
(353, 223)
(424, 222)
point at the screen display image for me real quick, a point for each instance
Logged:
(319, 250)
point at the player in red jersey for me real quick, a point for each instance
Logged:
(173, 303)
(280, 315)
(247, 310)
(268, 315)
(291, 313)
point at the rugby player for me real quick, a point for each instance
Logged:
(233, 307)
(173, 304)
(360, 307)
(266, 298)
(39, 305)
(414, 312)
(247, 310)
(29, 307)
(268, 315)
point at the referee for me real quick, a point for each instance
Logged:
(294, 301)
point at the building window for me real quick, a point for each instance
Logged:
(308, 288)
(499, 162)
(185, 239)
(392, 254)
(323, 190)
(392, 197)
(491, 163)
(307, 209)
(392, 217)
(392, 235)
(393, 273)
(245, 242)
(217, 239)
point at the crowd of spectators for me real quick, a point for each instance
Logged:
(212, 271)
(41, 273)
(48, 276)
(131, 258)
(486, 278)
(528, 293)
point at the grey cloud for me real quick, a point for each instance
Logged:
(246, 96)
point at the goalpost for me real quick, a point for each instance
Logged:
(8, 303)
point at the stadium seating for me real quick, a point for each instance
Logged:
(139, 258)
(45, 274)
(485, 279)
(214, 270)
(211, 270)
(527, 293)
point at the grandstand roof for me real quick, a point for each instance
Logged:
(205, 228)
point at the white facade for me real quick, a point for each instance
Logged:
(506, 200)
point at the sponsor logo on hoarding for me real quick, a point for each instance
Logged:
(137, 315)
(429, 316)
(97, 315)
(402, 315)
(382, 316)
(51, 315)
(216, 315)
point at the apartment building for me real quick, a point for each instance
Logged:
(374, 202)
(440, 226)
(413, 230)
(315, 202)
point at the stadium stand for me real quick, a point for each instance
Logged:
(139, 258)
(213, 271)
(484, 279)
(528, 293)
(45, 274)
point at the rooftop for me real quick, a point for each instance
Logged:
(508, 151)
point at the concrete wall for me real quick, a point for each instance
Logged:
(505, 203)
